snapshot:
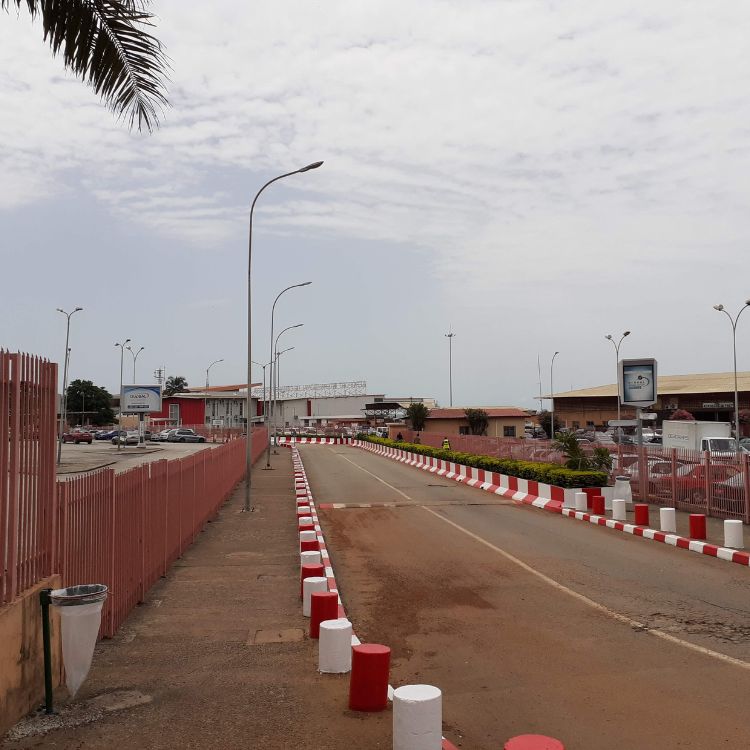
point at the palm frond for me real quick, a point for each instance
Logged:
(107, 43)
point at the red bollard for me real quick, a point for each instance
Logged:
(368, 685)
(301, 502)
(324, 605)
(534, 742)
(309, 571)
(306, 527)
(312, 546)
(697, 526)
(641, 514)
(597, 505)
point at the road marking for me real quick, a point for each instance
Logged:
(590, 602)
(375, 476)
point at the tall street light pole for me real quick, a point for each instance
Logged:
(135, 358)
(208, 369)
(275, 375)
(119, 413)
(247, 507)
(552, 395)
(733, 321)
(271, 377)
(278, 380)
(263, 367)
(617, 346)
(450, 336)
(64, 395)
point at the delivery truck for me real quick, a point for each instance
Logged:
(714, 437)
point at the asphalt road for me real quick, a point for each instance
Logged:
(531, 622)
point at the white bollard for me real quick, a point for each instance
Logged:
(668, 520)
(307, 536)
(335, 646)
(619, 510)
(417, 718)
(581, 501)
(313, 583)
(733, 534)
(304, 520)
(310, 557)
(303, 510)
(568, 499)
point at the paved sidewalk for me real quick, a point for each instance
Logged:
(196, 655)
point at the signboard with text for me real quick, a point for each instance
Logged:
(140, 399)
(637, 382)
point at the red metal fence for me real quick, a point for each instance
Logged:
(28, 388)
(125, 530)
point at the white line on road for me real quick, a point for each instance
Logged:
(375, 476)
(590, 602)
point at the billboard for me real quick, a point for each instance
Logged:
(637, 382)
(140, 399)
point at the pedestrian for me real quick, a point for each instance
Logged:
(446, 444)
(399, 438)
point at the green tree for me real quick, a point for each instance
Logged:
(417, 414)
(89, 403)
(106, 43)
(544, 418)
(175, 384)
(575, 458)
(478, 421)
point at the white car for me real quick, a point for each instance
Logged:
(129, 437)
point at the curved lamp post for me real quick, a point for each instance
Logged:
(275, 374)
(249, 442)
(733, 321)
(265, 412)
(278, 371)
(617, 346)
(450, 337)
(208, 369)
(552, 396)
(135, 358)
(64, 404)
(119, 413)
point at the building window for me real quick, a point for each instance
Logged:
(509, 430)
(174, 413)
(589, 423)
(463, 430)
(242, 406)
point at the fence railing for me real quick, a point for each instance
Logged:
(125, 530)
(28, 387)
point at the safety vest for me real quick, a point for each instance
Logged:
(447, 444)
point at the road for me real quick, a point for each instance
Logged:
(530, 622)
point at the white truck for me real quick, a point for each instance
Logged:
(714, 437)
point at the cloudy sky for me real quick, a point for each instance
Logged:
(532, 174)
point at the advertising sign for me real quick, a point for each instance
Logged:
(140, 399)
(637, 384)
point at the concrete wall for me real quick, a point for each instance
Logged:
(22, 655)
(494, 427)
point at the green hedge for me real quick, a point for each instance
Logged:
(534, 470)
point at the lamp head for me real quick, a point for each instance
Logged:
(626, 333)
(747, 303)
(306, 283)
(608, 336)
(314, 165)
(59, 309)
(719, 307)
(77, 309)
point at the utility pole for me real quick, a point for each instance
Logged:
(64, 395)
(450, 336)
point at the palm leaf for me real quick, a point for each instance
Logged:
(107, 44)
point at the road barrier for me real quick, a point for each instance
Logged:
(417, 718)
(335, 646)
(368, 686)
(641, 514)
(697, 526)
(733, 534)
(324, 605)
(619, 510)
(668, 520)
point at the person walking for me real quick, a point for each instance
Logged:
(446, 444)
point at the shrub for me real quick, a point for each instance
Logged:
(534, 470)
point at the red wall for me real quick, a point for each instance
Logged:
(192, 410)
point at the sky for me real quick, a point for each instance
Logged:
(529, 174)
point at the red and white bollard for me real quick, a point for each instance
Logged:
(368, 687)
(417, 718)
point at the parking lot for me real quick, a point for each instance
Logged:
(77, 459)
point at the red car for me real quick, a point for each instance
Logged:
(77, 437)
(690, 481)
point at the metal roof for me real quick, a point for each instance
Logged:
(674, 385)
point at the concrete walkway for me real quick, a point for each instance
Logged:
(218, 655)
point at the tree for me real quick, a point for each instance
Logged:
(544, 418)
(417, 414)
(175, 384)
(89, 403)
(107, 45)
(478, 421)
(683, 415)
(575, 458)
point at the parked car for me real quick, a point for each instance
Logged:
(127, 437)
(77, 436)
(745, 445)
(105, 434)
(184, 435)
(690, 481)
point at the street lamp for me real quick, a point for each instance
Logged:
(275, 374)
(265, 412)
(552, 396)
(273, 365)
(119, 413)
(249, 442)
(450, 336)
(135, 358)
(64, 404)
(617, 345)
(277, 368)
(208, 369)
(733, 321)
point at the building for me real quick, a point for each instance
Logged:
(707, 396)
(216, 407)
(503, 421)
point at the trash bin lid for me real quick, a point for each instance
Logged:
(73, 596)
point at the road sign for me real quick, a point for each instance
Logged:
(649, 416)
(140, 399)
(637, 382)
(623, 423)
